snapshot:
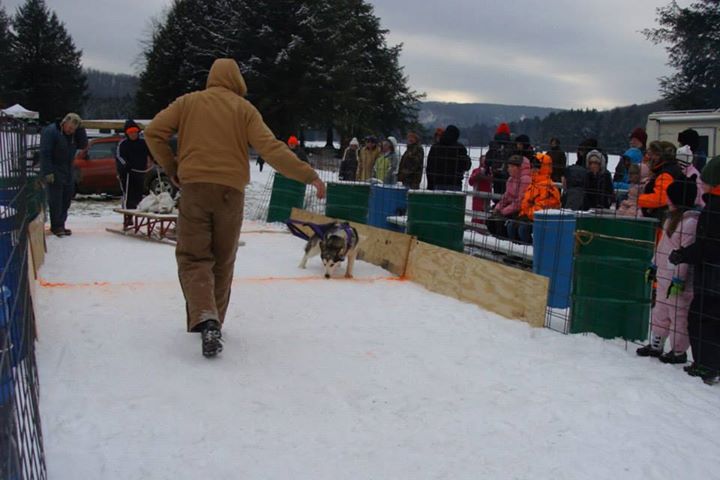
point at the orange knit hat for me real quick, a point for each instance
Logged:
(293, 141)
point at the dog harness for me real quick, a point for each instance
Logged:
(319, 229)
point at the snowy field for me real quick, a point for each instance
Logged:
(371, 378)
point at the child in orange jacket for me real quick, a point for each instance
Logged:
(542, 194)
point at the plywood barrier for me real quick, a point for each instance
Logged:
(386, 249)
(36, 237)
(507, 291)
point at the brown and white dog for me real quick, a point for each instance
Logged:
(338, 242)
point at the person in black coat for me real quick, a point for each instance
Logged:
(58, 143)
(447, 162)
(704, 256)
(131, 160)
(599, 192)
(559, 160)
(497, 156)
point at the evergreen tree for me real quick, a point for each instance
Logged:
(5, 57)
(693, 35)
(47, 75)
(309, 64)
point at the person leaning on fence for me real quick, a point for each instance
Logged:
(629, 207)
(366, 162)
(411, 164)
(674, 283)
(349, 163)
(663, 172)
(447, 162)
(58, 143)
(704, 256)
(386, 163)
(559, 159)
(599, 192)
(542, 194)
(212, 168)
(684, 157)
(509, 205)
(131, 161)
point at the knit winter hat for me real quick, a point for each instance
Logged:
(293, 141)
(682, 193)
(524, 139)
(596, 156)
(684, 155)
(355, 142)
(414, 135)
(503, 128)
(640, 134)
(711, 173)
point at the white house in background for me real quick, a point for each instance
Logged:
(667, 125)
(18, 111)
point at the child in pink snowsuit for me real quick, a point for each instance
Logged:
(480, 183)
(674, 282)
(629, 206)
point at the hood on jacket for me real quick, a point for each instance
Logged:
(634, 155)
(596, 154)
(450, 136)
(544, 161)
(226, 73)
(393, 141)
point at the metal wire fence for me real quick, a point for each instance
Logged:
(21, 442)
(595, 251)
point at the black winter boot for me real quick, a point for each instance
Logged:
(672, 357)
(211, 338)
(648, 351)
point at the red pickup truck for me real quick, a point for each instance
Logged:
(95, 171)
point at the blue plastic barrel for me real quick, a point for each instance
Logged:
(387, 201)
(553, 246)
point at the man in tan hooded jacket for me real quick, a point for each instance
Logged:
(214, 128)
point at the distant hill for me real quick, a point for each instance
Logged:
(437, 114)
(110, 95)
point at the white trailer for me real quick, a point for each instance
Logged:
(667, 125)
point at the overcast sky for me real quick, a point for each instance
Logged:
(557, 53)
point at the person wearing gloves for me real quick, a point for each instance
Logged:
(215, 126)
(674, 283)
(411, 164)
(349, 164)
(704, 257)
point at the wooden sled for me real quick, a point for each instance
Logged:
(154, 227)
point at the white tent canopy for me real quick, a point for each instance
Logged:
(18, 111)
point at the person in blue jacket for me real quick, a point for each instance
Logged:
(58, 143)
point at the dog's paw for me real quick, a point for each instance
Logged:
(349, 275)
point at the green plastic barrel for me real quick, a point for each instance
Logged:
(286, 194)
(437, 218)
(348, 201)
(610, 296)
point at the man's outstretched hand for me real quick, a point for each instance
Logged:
(319, 188)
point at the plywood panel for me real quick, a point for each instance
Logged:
(507, 291)
(36, 237)
(378, 246)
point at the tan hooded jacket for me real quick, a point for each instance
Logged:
(214, 128)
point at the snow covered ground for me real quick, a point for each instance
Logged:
(371, 378)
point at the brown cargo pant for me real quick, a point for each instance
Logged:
(208, 231)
